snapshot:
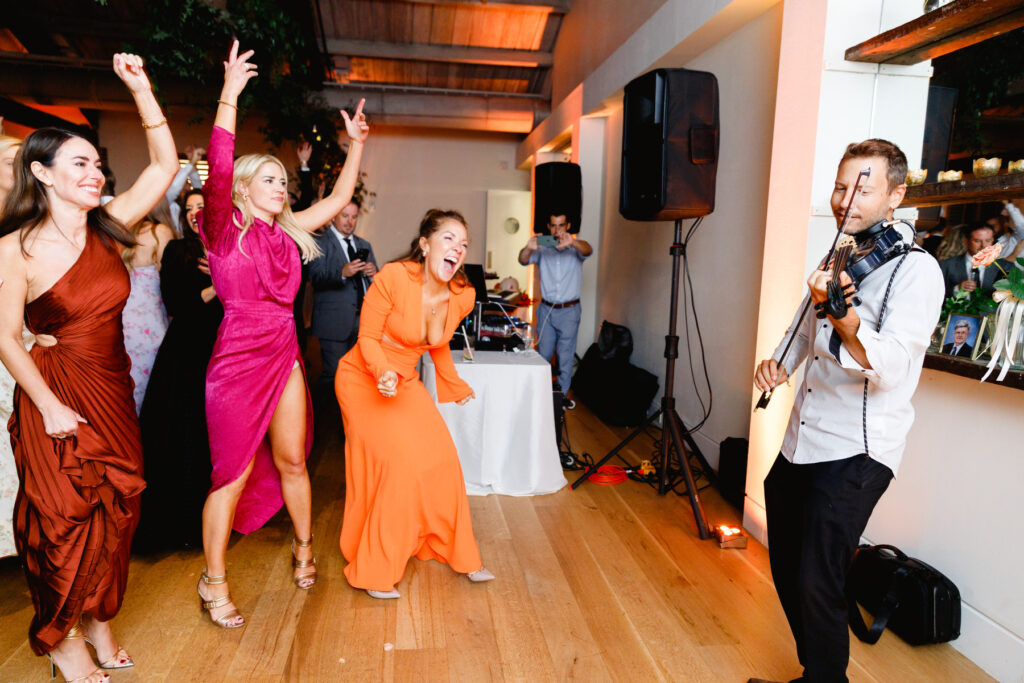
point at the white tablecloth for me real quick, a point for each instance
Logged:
(506, 435)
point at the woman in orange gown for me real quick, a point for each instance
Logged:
(74, 432)
(405, 496)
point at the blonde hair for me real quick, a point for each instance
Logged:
(246, 168)
(6, 142)
(158, 215)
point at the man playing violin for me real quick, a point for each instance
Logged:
(851, 415)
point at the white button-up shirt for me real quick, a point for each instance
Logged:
(833, 416)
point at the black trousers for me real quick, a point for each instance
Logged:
(816, 515)
(331, 352)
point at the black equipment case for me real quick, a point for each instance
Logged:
(916, 601)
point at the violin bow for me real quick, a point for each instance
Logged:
(766, 396)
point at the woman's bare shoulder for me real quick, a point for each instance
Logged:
(10, 247)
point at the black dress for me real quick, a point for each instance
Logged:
(175, 444)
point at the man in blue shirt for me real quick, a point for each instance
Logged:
(561, 272)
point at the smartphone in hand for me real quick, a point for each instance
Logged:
(547, 241)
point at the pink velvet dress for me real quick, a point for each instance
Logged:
(256, 346)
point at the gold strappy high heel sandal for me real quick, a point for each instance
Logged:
(76, 634)
(210, 605)
(302, 564)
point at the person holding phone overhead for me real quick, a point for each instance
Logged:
(560, 257)
(340, 279)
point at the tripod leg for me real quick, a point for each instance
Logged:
(691, 488)
(615, 451)
(695, 451)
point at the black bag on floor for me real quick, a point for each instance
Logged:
(914, 600)
(616, 391)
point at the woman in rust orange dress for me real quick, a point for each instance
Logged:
(405, 496)
(74, 431)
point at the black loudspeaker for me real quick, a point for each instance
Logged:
(669, 145)
(732, 470)
(558, 190)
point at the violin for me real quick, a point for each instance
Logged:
(766, 396)
(836, 305)
(869, 249)
(877, 245)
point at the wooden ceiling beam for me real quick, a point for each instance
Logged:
(555, 6)
(438, 53)
(437, 108)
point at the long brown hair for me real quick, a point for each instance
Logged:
(26, 207)
(430, 224)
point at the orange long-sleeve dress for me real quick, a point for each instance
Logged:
(405, 496)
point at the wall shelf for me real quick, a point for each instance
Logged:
(970, 190)
(949, 28)
(972, 369)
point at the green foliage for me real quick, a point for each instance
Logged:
(973, 303)
(188, 40)
(981, 74)
(1014, 281)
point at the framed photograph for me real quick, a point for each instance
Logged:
(983, 344)
(963, 332)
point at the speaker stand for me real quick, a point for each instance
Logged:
(673, 432)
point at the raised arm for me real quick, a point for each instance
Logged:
(132, 206)
(316, 216)
(215, 219)
(237, 72)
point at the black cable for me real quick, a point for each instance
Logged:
(700, 338)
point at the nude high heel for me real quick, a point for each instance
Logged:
(302, 564)
(480, 575)
(210, 605)
(76, 634)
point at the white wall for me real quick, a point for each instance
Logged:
(410, 169)
(592, 31)
(956, 505)
(725, 254)
(413, 170)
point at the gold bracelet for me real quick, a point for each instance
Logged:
(161, 122)
(228, 104)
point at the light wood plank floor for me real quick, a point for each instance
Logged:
(601, 583)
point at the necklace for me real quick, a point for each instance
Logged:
(62, 234)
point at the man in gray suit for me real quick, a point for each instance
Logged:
(340, 278)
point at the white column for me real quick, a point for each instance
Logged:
(588, 151)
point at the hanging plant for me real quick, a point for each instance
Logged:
(186, 41)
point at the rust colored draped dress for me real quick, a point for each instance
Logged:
(404, 492)
(78, 503)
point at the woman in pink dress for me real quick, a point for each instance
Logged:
(257, 405)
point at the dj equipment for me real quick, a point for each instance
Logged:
(558, 190)
(669, 145)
